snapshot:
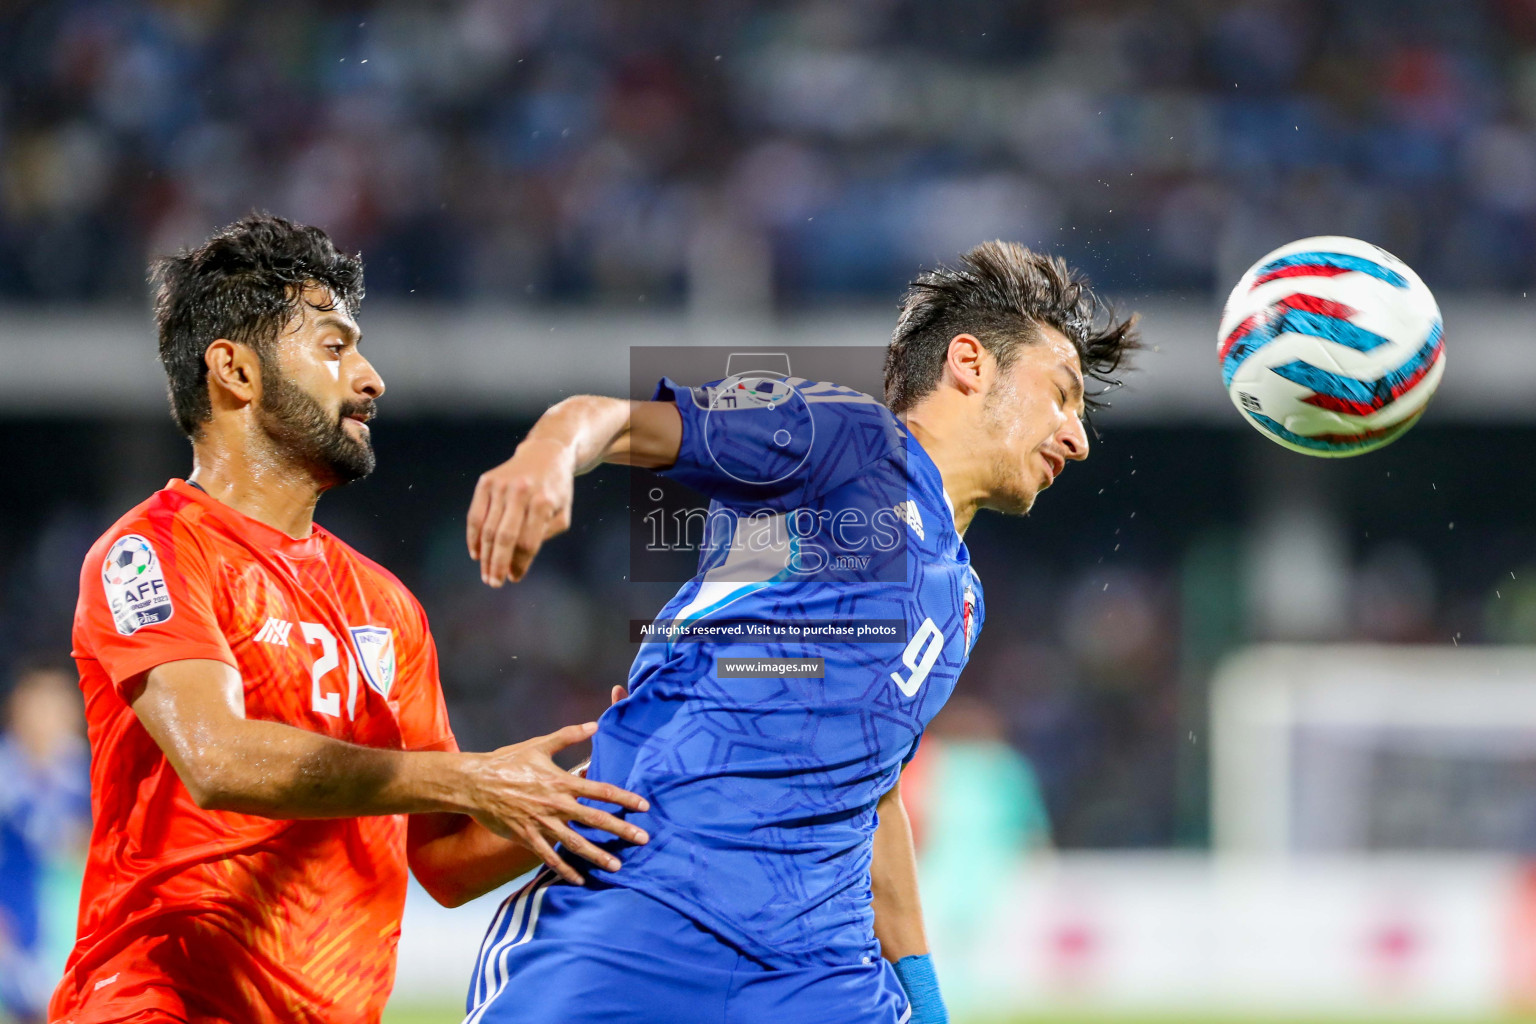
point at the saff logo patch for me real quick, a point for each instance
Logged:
(376, 654)
(135, 585)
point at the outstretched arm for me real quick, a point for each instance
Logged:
(527, 499)
(899, 911)
(195, 711)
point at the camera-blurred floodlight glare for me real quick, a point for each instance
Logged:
(1331, 346)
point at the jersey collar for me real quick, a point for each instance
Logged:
(253, 531)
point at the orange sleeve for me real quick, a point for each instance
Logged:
(423, 712)
(147, 598)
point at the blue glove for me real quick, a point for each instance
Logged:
(922, 987)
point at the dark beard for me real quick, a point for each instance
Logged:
(303, 431)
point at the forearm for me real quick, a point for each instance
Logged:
(279, 771)
(194, 710)
(526, 500)
(592, 429)
(457, 859)
(897, 905)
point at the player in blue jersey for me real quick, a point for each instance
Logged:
(779, 882)
(45, 817)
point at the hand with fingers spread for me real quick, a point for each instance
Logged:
(518, 506)
(522, 795)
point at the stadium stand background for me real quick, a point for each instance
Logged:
(775, 162)
(575, 151)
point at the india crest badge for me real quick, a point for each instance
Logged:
(376, 654)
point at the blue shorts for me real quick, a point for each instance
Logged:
(565, 954)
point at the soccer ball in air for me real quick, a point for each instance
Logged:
(1331, 346)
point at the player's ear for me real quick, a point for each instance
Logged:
(963, 363)
(233, 369)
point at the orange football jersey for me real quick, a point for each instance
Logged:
(223, 917)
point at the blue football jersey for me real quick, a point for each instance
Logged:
(824, 509)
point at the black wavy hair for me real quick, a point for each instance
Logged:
(243, 284)
(1001, 292)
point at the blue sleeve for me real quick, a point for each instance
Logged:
(766, 443)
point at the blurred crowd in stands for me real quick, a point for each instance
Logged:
(746, 152)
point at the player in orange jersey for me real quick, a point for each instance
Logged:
(270, 746)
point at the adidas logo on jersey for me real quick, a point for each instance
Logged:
(275, 632)
(908, 511)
